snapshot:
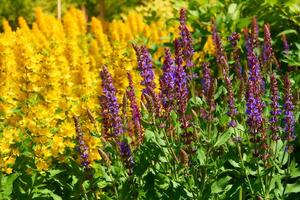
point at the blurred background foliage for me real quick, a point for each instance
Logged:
(12, 9)
(231, 15)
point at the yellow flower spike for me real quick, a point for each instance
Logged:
(23, 24)
(209, 47)
(7, 27)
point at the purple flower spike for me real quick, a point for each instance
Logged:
(186, 39)
(220, 52)
(267, 48)
(180, 80)
(136, 115)
(167, 82)
(275, 111)
(145, 67)
(83, 149)
(109, 95)
(125, 153)
(289, 118)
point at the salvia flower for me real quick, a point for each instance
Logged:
(111, 103)
(167, 81)
(186, 39)
(125, 153)
(289, 118)
(83, 148)
(267, 47)
(208, 91)
(275, 110)
(136, 115)
(180, 80)
(145, 67)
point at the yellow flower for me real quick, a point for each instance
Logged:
(8, 170)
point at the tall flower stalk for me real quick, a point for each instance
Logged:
(83, 148)
(223, 64)
(275, 109)
(186, 39)
(135, 111)
(167, 82)
(111, 103)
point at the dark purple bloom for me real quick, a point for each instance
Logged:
(208, 91)
(167, 82)
(112, 106)
(206, 79)
(186, 39)
(254, 104)
(136, 115)
(289, 119)
(253, 65)
(267, 52)
(145, 67)
(83, 149)
(180, 80)
(275, 110)
(125, 153)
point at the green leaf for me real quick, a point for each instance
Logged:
(293, 188)
(201, 156)
(7, 183)
(233, 163)
(224, 138)
(289, 31)
(232, 8)
(220, 185)
(149, 135)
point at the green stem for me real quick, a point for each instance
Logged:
(244, 169)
